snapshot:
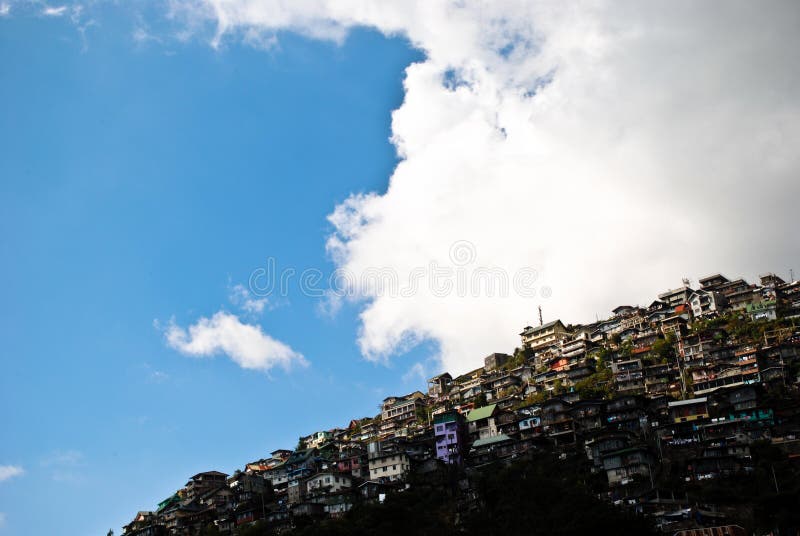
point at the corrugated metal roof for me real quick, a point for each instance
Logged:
(481, 413)
(491, 440)
(686, 402)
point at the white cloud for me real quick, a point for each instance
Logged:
(241, 297)
(5, 9)
(614, 146)
(63, 458)
(245, 344)
(10, 471)
(140, 35)
(54, 11)
(415, 374)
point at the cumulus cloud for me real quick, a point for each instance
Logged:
(10, 471)
(245, 344)
(608, 148)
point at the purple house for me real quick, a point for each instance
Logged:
(451, 437)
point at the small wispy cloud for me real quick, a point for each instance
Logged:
(416, 372)
(245, 344)
(158, 376)
(152, 374)
(10, 471)
(64, 465)
(51, 11)
(141, 36)
(242, 298)
(2, 519)
(77, 16)
(63, 458)
(5, 9)
(261, 40)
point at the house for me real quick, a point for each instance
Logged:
(339, 503)
(353, 462)
(263, 465)
(605, 443)
(388, 461)
(491, 448)
(327, 482)
(221, 500)
(277, 475)
(374, 491)
(301, 463)
(739, 301)
(624, 310)
(451, 437)
(308, 509)
(624, 466)
(530, 420)
(763, 310)
(296, 491)
(389, 467)
(661, 379)
(246, 485)
(675, 324)
(588, 416)
(403, 408)
(203, 482)
(145, 524)
(706, 302)
(439, 386)
(788, 296)
(731, 287)
(500, 385)
(495, 361)
(547, 334)
(317, 439)
(481, 422)
(713, 281)
(625, 413)
(658, 311)
(697, 350)
(676, 296)
(742, 369)
(557, 423)
(628, 376)
(689, 410)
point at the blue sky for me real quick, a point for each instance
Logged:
(141, 183)
(155, 155)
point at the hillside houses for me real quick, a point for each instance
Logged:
(678, 389)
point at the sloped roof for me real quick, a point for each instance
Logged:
(481, 413)
(491, 440)
(299, 456)
(536, 329)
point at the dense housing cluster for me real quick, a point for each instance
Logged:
(653, 403)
